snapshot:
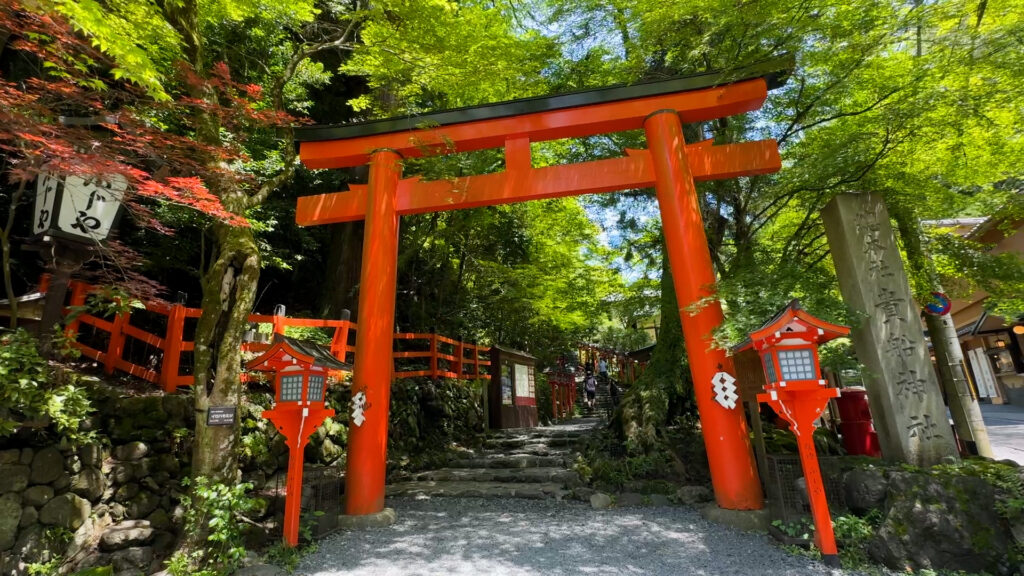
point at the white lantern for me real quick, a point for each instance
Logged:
(77, 208)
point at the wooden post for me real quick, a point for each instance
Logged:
(460, 351)
(293, 499)
(116, 346)
(339, 344)
(171, 364)
(433, 356)
(476, 361)
(78, 293)
(279, 320)
(757, 426)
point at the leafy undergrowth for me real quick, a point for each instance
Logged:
(677, 458)
(432, 421)
(36, 394)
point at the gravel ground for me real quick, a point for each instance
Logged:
(454, 537)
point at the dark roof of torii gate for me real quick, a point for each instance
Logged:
(775, 73)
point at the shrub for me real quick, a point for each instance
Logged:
(31, 390)
(215, 509)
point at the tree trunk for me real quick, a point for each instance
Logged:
(949, 356)
(340, 291)
(229, 291)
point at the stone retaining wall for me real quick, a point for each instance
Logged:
(111, 502)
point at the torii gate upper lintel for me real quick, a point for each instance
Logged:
(669, 165)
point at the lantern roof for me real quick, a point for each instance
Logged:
(793, 319)
(309, 353)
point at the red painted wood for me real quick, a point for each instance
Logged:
(115, 347)
(730, 458)
(693, 106)
(367, 463)
(416, 196)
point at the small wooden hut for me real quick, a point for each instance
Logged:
(512, 396)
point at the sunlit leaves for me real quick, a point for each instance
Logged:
(429, 54)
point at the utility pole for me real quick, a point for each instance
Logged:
(949, 357)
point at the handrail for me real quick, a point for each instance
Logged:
(454, 363)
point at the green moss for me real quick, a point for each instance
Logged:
(981, 537)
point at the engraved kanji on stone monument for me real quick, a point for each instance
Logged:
(890, 305)
(899, 346)
(889, 341)
(922, 426)
(910, 386)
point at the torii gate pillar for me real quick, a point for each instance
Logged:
(736, 482)
(366, 466)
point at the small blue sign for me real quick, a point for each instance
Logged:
(939, 305)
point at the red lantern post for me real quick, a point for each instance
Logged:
(788, 345)
(300, 382)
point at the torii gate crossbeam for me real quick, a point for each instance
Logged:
(669, 164)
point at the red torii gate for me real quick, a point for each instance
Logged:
(669, 164)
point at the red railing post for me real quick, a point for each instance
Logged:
(433, 356)
(78, 293)
(339, 344)
(172, 348)
(279, 320)
(116, 345)
(460, 351)
(476, 361)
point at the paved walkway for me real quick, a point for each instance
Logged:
(498, 537)
(1005, 423)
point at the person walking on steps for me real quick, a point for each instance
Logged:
(602, 370)
(590, 387)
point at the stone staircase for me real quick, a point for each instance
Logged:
(533, 463)
(602, 400)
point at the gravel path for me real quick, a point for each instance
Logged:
(474, 537)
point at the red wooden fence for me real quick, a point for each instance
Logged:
(463, 362)
(563, 393)
(626, 368)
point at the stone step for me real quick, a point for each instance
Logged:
(531, 450)
(504, 461)
(509, 475)
(541, 433)
(537, 491)
(522, 441)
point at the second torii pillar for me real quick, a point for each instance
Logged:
(366, 466)
(733, 471)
